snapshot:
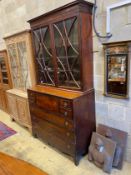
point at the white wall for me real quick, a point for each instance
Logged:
(113, 112)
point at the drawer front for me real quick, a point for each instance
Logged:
(47, 102)
(31, 97)
(66, 104)
(66, 113)
(58, 120)
(55, 136)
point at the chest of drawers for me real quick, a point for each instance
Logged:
(65, 121)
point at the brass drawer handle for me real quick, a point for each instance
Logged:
(68, 146)
(65, 104)
(66, 123)
(68, 134)
(31, 94)
(65, 113)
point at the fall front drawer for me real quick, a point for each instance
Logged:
(58, 137)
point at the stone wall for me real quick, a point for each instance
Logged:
(109, 111)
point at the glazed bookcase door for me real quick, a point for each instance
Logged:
(43, 55)
(15, 71)
(22, 54)
(4, 75)
(67, 53)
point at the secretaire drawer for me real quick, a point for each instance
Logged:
(64, 103)
(47, 102)
(31, 96)
(66, 113)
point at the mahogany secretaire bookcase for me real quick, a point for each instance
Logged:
(62, 104)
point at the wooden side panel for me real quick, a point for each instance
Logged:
(12, 106)
(1, 99)
(86, 51)
(85, 123)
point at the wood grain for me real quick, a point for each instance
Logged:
(12, 166)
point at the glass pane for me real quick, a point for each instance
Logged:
(43, 55)
(14, 65)
(117, 74)
(4, 76)
(22, 52)
(66, 43)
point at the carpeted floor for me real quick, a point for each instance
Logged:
(24, 146)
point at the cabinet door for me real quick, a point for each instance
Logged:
(4, 74)
(22, 55)
(23, 111)
(15, 71)
(67, 52)
(12, 106)
(43, 56)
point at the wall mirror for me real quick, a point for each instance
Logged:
(116, 70)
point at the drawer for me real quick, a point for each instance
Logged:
(55, 136)
(64, 103)
(52, 118)
(47, 102)
(31, 97)
(66, 113)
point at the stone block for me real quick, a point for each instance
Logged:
(128, 114)
(98, 68)
(129, 14)
(101, 109)
(121, 14)
(129, 142)
(116, 112)
(121, 125)
(100, 120)
(128, 155)
(99, 83)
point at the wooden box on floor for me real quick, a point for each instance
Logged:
(21, 66)
(62, 104)
(5, 80)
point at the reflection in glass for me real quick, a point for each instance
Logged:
(66, 44)
(117, 74)
(45, 70)
(14, 65)
(22, 53)
(4, 76)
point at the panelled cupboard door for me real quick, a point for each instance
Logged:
(12, 106)
(23, 110)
